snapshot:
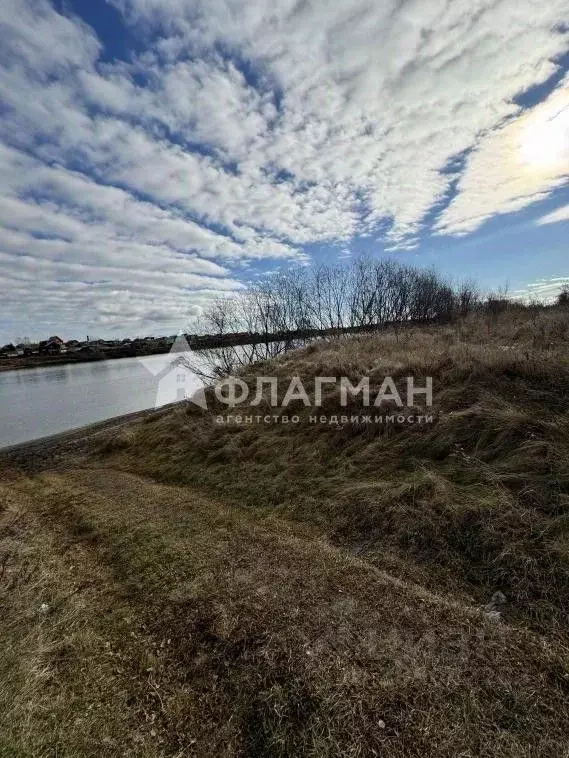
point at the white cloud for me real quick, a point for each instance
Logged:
(376, 98)
(246, 131)
(43, 41)
(561, 214)
(513, 166)
(544, 290)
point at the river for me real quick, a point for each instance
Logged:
(42, 401)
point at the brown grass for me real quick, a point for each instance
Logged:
(307, 590)
(473, 503)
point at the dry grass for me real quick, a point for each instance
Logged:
(177, 627)
(306, 590)
(473, 503)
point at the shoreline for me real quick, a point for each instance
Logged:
(24, 364)
(42, 452)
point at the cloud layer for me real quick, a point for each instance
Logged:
(561, 214)
(234, 132)
(543, 290)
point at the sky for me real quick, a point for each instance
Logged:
(158, 154)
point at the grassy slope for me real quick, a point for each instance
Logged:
(322, 594)
(478, 501)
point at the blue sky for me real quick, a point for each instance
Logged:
(156, 154)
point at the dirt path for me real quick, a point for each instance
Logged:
(152, 621)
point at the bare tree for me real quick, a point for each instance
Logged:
(278, 312)
(563, 296)
(467, 297)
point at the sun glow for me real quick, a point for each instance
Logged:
(544, 135)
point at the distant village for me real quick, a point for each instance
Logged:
(56, 350)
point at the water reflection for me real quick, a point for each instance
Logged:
(56, 375)
(100, 367)
(39, 402)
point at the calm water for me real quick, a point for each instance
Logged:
(38, 402)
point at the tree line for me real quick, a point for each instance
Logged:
(367, 293)
(296, 304)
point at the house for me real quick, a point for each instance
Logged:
(52, 346)
(9, 351)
